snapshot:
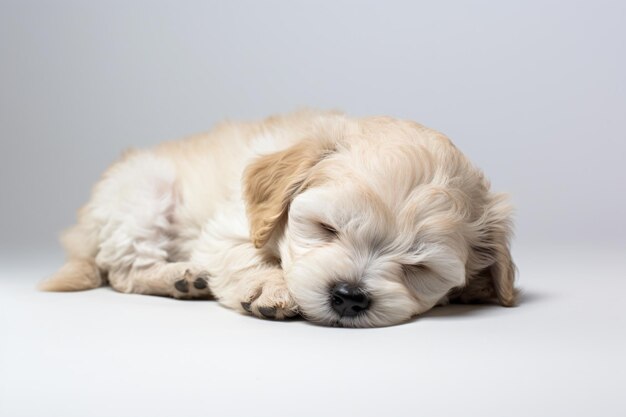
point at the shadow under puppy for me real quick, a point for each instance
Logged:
(354, 222)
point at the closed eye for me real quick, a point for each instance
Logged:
(328, 229)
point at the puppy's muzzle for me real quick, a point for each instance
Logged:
(348, 300)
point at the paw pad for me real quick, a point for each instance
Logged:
(269, 312)
(200, 283)
(182, 285)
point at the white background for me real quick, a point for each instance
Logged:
(533, 92)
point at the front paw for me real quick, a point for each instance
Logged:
(269, 300)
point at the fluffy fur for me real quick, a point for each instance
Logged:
(267, 217)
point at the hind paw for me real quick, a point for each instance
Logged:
(192, 285)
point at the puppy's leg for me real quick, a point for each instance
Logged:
(177, 279)
(262, 291)
(242, 278)
(259, 290)
(135, 210)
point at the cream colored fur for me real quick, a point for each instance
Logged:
(267, 216)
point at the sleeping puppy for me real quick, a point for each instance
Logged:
(354, 222)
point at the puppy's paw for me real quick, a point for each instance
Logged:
(192, 285)
(269, 300)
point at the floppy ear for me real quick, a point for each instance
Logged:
(272, 181)
(491, 256)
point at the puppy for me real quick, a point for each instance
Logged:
(354, 222)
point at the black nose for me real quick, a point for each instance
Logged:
(348, 300)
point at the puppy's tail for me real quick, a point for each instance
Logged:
(75, 275)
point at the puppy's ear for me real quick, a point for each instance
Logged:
(272, 181)
(491, 255)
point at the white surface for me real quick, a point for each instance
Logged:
(100, 353)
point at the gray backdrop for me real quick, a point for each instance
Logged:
(533, 92)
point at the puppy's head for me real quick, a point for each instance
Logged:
(376, 220)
